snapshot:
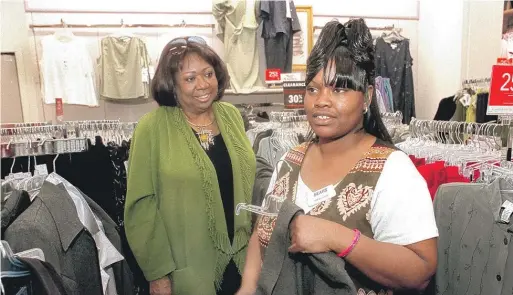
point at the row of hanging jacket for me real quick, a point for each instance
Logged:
(98, 173)
(78, 239)
(472, 187)
(122, 71)
(271, 140)
(448, 152)
(469, 104)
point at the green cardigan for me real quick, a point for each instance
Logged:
(174, 216)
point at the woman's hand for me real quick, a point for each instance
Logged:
(161, 286)
(245, 292)
(310, 234)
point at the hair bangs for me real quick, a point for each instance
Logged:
(341, 71)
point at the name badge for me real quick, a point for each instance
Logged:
(321, 195)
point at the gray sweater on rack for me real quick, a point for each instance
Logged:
(301, 274)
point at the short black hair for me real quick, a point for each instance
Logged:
(163, 83)
(347, 49)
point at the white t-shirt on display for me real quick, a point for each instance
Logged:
(67, 71)
(401, 210)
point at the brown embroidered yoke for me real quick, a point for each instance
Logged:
(350, 207)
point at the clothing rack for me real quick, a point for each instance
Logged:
(51, 130)
(26, 124)
(432, 128)
(382, 28)
(255, 105)
(476, 81)
(122, 24)
(287, 117)
(69, 137)
(398, 115)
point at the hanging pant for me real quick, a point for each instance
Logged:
(278, 51)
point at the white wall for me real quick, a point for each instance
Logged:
(439, 54)
(458, 40)
(438, 46)
(156, 39)
(481, 38)
(14, 37)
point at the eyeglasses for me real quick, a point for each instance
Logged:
(179, 45)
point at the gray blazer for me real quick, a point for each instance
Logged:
(51, 224)
(122, 273)
(301, 274)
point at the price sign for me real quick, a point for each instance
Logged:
(59, 110)
(500, 101)
(272, 76)
(294, 94)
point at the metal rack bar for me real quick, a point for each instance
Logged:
(122, 24)
(44, 147)
(383, 28)
(474, 81)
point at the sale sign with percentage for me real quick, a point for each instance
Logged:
(272, 76)
(294, 94)
(500, 101)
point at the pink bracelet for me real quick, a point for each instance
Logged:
(356, 238)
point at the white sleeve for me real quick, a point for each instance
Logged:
(401, 207)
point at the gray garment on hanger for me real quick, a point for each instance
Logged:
(475, 250)
(286, 273)
(279, 51)
(274, 18)
(107, 253)
(272, 154)
(51, 224)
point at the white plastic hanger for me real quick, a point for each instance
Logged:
(64, 35)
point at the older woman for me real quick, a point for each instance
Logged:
(190, 164)
(363, 198)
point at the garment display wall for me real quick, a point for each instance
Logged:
(428, 40)
(154, 39)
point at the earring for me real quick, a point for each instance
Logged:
(366, 109)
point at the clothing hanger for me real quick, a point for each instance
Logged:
(11, 266)
(270, 206)
(64, 35)
(123, 33)
(393, 36)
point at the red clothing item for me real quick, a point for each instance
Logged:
(437, 174)
(417, 161)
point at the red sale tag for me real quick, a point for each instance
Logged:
(504, 61)
(500, 101)
(273, 75)
(59, 110)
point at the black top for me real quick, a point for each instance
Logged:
(218, 154)
(481, 107)
(446, 109)
(395, 62)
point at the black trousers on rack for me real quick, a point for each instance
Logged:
(279, 51)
